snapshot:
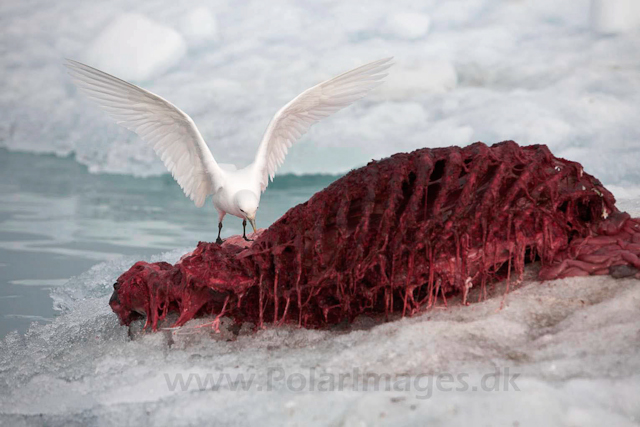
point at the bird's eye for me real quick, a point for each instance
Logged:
(241, 211)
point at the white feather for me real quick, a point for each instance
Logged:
(170, 131)
(294, 119)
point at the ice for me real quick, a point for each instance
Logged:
(615, 16)
(407, 25)
(200, 27)
(419, 79)
(488, 70)
(570, 348)
(136, 48)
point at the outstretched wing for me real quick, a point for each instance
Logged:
(294, 119)
(171, 132)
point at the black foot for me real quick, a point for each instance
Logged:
(219, 240)
(244, 231)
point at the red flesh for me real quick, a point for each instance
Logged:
(394, 235)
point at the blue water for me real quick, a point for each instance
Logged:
(57, 220)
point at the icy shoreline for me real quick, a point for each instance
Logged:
(573, 344)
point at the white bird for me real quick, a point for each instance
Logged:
(176, 140)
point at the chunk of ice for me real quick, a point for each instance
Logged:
(136, 48)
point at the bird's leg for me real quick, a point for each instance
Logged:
(244, 231)
(219, 240)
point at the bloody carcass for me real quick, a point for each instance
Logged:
(394, 236)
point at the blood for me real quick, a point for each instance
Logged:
(394, 237)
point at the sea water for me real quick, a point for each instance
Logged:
(57, 220)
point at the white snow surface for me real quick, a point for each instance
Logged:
(529, 70)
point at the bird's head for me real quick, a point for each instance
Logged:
(248, 202)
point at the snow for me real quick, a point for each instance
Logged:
(136, 48)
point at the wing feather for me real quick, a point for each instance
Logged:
(294, 119)
(171, 132)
